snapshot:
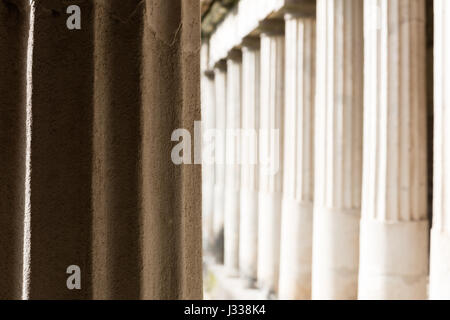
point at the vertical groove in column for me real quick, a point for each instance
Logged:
(14, 17)
(271, 156)
(298, 190)
(440, 235)
(338, 156)
(220, 72)
(60, 152)
(248, 237)
(233, 170)
(394, 227)
(191, 233)
(117, 138)
(171, 196)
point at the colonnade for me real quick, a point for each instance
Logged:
(346, 215)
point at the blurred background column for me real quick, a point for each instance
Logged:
(208, 148)
(440, 234)
(298, 188)
(248, 238)
(394, 225)
(232, 156)
(338, 142)
(220, 83)
(271, 154)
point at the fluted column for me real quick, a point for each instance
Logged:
(248, 235)
(233, 170)
(338, 141)
(440, 234)
(94, 194)
(208, 150)
(270, 155)
(394, 225)
(220, 84)
(297, 209)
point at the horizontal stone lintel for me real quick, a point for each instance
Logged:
(250, 18)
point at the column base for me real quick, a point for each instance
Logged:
(231, 231)
(440, 266)
(208, 216)
(248, 241)
(269, 241)
(394, 260)
(335, 254)
(296, 250)
(218, 237)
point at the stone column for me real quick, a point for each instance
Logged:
(297, 209)
(338, 156)
(440, 234)
(92, 192)
(220, 83)
(248, 234)
(270, 155)
(394, 225)
(232, 153)
(208, 150)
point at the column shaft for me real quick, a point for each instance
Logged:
(232, 177)
(117, 101)
(248, 236)
(338, 157)
(298, 186)
(171, 242)
(208, 145)
(394, 225)
(270, 159)
(440, 235)
(220, 83)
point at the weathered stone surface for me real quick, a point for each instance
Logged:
(92, 123)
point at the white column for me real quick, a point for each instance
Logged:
(248, 240)
(220, 82)
(270, 156)
(232, 177)
(208, 126)
(440, 234)
(298, 185)
(338, 157)
(394, 225)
